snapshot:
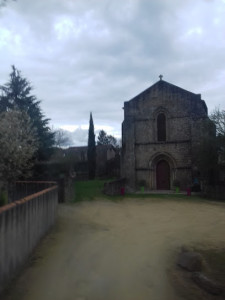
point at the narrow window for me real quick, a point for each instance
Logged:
(161, 127)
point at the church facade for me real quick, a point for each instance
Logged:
(160, 128)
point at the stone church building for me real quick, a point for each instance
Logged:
(160, 128)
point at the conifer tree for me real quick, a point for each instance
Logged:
(91, 149)
(102, 138)
(16, 94)
(105, 139)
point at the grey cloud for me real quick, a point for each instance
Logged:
(109, 51)
(79, 137)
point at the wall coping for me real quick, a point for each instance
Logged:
(26, 199)
(19, 181)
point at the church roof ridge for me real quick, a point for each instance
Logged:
(164, 82)
(176, 86)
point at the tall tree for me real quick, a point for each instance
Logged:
(113, 141)
(16, 94)
(218, 118)
(18, 142)
(61, 138)
(105, 139)
(91, 149)
(102, 138)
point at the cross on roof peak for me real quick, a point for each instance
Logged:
(160, 77)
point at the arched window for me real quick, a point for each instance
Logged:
(161, 127)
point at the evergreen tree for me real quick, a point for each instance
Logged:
(16, 94)
(91, 149)
(105, 139)
(102, 138)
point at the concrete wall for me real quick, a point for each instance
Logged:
(22, 224)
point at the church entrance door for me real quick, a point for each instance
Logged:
(163, 175)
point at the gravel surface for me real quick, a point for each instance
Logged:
(105, 250)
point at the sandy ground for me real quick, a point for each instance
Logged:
(118, 251)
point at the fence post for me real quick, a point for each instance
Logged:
(61, 189)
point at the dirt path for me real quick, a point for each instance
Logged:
(118, 251)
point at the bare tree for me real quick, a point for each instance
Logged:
(218, 118)
(61, 138)
(105, 139)
(18, 140)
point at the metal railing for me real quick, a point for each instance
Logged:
(22, 189)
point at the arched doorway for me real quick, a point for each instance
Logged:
(163, 175)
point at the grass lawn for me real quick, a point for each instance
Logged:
(92, 189)
(88, 190)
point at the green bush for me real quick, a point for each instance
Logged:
(88, 190)
(176, 183)
(142, 183)
(3, 198)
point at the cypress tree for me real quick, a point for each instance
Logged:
(91, 149)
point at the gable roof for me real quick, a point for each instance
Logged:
(161, 85)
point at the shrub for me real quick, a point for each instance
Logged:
(3, 198)
(142, 183)
(176, 183)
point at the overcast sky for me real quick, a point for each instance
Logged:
(92, 55)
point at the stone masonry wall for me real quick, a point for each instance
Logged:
(184, 113)
(128, 154)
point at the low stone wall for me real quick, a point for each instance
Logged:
(22, 224)
(214, 192)
(116, 187)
